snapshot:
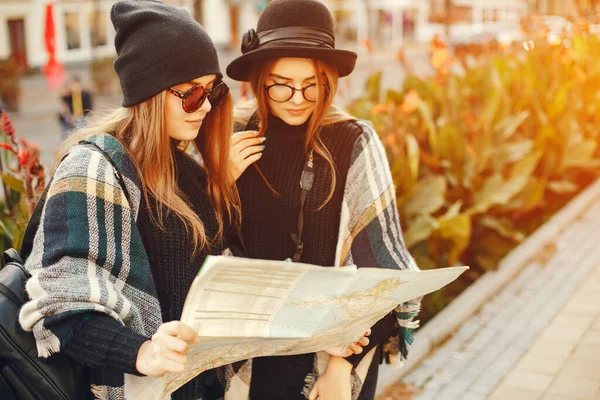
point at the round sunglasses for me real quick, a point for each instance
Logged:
(193, 98)
(281, 93)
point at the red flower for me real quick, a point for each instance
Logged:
(7, 126)
(7, 147)
(23, 157)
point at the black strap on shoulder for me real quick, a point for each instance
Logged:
(306, 183)
(34, 221)
(111, 161)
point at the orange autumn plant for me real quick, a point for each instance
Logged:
(485, 152)
(23, 181)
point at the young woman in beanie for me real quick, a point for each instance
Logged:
(321, 193)
(130, 217)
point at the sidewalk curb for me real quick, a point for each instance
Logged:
(472, 299)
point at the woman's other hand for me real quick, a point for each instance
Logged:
(349, 349)
(246, 148)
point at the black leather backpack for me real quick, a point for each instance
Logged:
(24, 375)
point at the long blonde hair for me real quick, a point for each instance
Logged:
(325, 113)
(141, 131)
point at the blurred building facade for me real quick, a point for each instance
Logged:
(83, 29)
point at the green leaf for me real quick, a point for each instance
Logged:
(491, 193)
(530, 197)
(541, 114)
(511, 152)
(580, 48)
(579, 154)
(412, 154)
(394, 96)
(525, 168)
(506, 128)
(452, 147)
(563, 186)
(7, 229)
(494, 99)
(496, 191)
(18, 238)
(453, 210)
(560, 99)
(502, 228)
(361, 108)
(428, 90)
(420, 229)
(428, 196)
(490, 248)
(13, 183)
(425, 112)
(456, 229)
(422, 258)
(484, 149)
(373, 87)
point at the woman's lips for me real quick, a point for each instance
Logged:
(298, 111)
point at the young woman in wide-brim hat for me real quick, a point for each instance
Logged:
(321, 192)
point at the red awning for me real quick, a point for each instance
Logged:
(54, 71)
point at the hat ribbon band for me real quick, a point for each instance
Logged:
(297, 36)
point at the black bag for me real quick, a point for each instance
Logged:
(24, 375)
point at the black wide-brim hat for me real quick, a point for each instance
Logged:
(291, 28)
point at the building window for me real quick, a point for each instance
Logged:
(73, 30)
(98, 32)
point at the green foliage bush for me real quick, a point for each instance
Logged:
(22, 182)
(485, 151)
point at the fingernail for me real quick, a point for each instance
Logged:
(262, 145)
(263, 138)
(255, 132)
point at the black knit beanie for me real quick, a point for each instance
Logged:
(158, 46)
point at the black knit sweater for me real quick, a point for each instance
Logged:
(269, 220)
(103, 343)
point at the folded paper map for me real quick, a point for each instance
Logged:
(245, 308)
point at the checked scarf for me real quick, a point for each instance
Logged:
(88, 256)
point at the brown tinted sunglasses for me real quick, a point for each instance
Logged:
(193, 98)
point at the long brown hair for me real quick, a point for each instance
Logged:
(325, 113)
(141, 130)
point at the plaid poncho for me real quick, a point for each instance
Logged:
(369, 236)
(88, 255)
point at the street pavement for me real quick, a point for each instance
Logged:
(37, 119)
(537, 339)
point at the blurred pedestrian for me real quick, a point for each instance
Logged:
(75, 105)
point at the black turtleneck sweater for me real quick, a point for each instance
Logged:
(282, 163)
(269, 220)
(103, 343)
